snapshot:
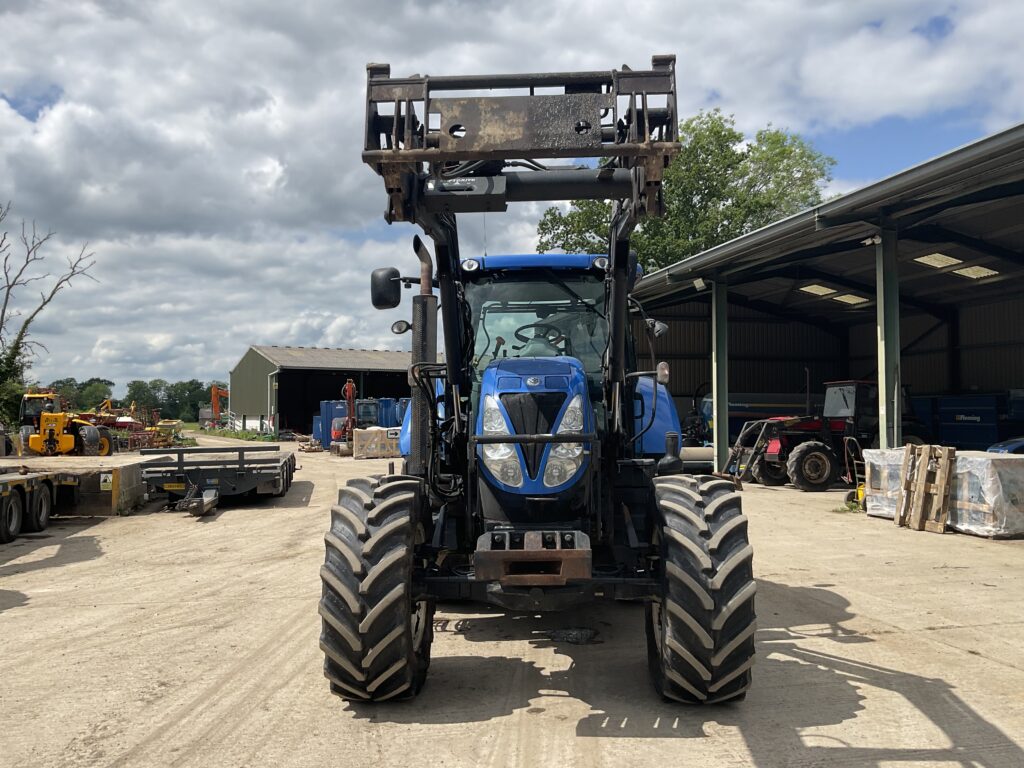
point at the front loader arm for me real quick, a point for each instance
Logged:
(450, 145)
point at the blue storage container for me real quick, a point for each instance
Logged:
(329, 411)
(387, 416)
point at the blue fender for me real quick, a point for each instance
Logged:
(666, 418)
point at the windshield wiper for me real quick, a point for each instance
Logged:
(565, 287)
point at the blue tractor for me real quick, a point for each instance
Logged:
(543, 466)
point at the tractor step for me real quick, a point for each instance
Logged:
(533, 558)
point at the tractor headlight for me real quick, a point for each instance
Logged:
(565, 459)
(500, 458)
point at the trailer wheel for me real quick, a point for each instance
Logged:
(377, 627)
(769, 473)
(11, 508)
(812, 466)
(700, 628)
(38, 517)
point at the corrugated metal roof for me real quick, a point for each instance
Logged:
(966, 204)
(325, 358)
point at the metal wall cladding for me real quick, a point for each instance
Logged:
(1002, 322)
(766, 354)
(248, 384)
(992, 369)
(926, 373)
(992, 346)
(991, 349)
(864, 337)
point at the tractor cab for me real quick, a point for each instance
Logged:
(34, 404)
(855, 404)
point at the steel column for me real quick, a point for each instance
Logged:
(954, 358)
(720, 370)
(887, 295)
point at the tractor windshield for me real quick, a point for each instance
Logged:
(538, 314)
(840, 402)
(31, 407)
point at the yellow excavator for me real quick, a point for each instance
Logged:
(48, 429)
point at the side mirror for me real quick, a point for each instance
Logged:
(385, 288)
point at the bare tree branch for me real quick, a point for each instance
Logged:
(22, 269)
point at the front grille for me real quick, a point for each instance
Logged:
(533, 413)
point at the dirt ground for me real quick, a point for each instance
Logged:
(164, 640)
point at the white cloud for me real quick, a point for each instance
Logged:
(210, 152)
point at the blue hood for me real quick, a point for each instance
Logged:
(532, 394)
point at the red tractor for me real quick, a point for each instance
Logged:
(812, 452)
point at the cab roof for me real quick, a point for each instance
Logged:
(536, 261)
(566, 261)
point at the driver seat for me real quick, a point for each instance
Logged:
(539, 346)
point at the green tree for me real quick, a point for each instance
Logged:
(720, 186)
(141, 393)
(93, 392)
(184, 399)
(68, 390)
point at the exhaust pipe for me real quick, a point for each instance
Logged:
(424, 350)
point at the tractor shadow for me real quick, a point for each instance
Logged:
(809, 674)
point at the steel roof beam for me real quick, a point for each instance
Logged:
(804, 272)
(935, 234)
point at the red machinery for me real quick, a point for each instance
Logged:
(341, 429)
(812, 451)
(216, 393)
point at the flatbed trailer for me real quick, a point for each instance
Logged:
(27, 499)
(229, 470)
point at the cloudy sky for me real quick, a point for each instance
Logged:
(209, 152)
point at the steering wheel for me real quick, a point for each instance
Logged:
(547, 329)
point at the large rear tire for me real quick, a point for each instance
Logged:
(377, 627)
(11, 513)
(700, 629)
(105, 447)
(812, 466)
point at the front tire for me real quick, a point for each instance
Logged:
(700, 629)
(89, 440)
(812, 466)
(769, 474)
(377, 628)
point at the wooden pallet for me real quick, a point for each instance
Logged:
(925, 480)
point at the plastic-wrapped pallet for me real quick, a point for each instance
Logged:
(375, 443)
(882, 481)
(986, 494)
